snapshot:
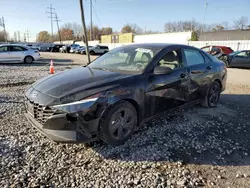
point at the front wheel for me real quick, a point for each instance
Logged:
(213, 95)
(118, 124)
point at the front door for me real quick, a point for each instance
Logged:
(4, 54)
(167, 91)
(241, 59)
(17, 53)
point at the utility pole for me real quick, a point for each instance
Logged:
(85, 31)
(91, 22)
(18, 36)
(51, 19)
(59, 34)
(203, 22)
(28, 35)
(24, 37)
(15, 37)
(3, 25)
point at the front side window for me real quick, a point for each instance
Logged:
(242, 54)
(132, 59)
(206, 49)
(172, 59)
(3, 48)
(193, 57)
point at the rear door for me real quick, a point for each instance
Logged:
(200, 71)
(167, 91)
(17, 53)
(4, 53)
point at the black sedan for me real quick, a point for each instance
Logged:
(112, 96)
(239, 59)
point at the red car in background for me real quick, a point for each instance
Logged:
(212, 49)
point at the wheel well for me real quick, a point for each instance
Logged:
(29, 56)
(131, 101)
(217, 80)
(136, 106)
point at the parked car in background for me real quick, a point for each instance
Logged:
(240, 59)
(220, 52)
(79, 49)
(73, 48)
(13, 53)
(65, 49)
(98, 49)
(55, 48)
(224, 50)
(83, 50)
(111, 97)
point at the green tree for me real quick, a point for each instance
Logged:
(43, 36)
(194, 36)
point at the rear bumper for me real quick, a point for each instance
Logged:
(61, 130)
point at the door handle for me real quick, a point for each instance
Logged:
(182, 75)
(209, 67)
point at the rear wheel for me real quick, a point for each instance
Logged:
(92, 53)
(28, 59)
(213, 95)
(118, 124)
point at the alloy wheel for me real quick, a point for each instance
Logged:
(122, 123)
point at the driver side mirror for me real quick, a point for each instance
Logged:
(162, 70)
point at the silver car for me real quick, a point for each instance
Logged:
(14, 53)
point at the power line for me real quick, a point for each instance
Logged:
(97, 16)
(51, 18)
(59, 34)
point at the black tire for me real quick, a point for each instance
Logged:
(113, 124)
(213, 95)
(92, 53)
(28, 59)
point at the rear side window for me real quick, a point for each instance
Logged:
(193, 57)
(103, 47)
(17, 48)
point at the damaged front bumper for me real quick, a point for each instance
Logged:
(77, 122)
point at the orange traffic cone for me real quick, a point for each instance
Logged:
(51, 68)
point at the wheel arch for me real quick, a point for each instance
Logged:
(219, 81)
(29, 56)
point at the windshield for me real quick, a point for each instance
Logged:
(132, 59)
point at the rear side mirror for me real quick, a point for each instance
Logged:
(162, 70)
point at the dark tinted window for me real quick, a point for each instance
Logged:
(3, 49)
(103, 47)
(193, 57)
(17, 48)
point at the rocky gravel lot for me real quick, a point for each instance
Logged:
(194, 147)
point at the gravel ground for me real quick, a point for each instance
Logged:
(194, 147)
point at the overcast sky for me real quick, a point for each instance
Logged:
(152, 14)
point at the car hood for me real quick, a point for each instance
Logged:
(76, 79)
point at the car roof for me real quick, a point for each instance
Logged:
(14, 45)
(158, 45)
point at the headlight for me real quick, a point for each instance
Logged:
(76, 106)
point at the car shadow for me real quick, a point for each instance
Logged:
(210, 136)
